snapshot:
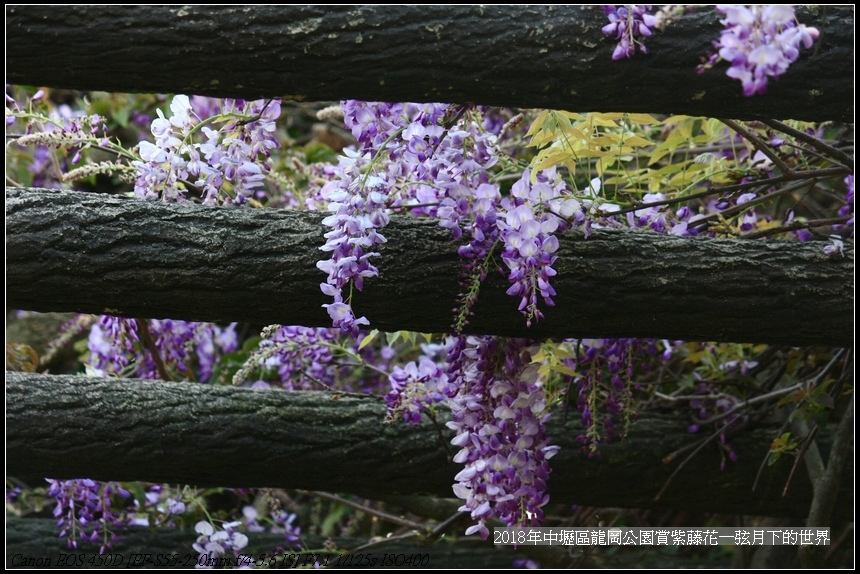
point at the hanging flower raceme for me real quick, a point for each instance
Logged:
(357, 201)
(85, 510)
(528, 232)
(499, 414)
(628, 23)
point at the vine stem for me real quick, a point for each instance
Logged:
(378, 513)
(759, 144)
(812, 173)
(149, 343)
(831, 151)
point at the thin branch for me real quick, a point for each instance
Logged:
(671, 398)
(795, 175)
(378, 513)
(818, 144)
(794, 225)
(684, 462)
(766, 457)
(754, 401)
(759, 144)
(813, 460)
(731, 211)
(446, 524)
(149, 343)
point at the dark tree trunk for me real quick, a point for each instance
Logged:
(522, 56)
(162, 548)
(36, 538)
(187, 433)
(71, 251)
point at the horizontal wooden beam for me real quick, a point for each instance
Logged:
(188, 433)
(521, 56)
(91, 253)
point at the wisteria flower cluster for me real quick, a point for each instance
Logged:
(527, 230)
(227, 167)
(415, 387)
(499, 415)
(359, 205)
(714, 403)
(118, 347)
(85, 510)
(604, 387)
(361, 192)
(218, 547)
(312, 358)
(628, 23)
(62, 128)
(760, 43)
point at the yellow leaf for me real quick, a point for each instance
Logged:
(538, 123)
(565, 370)
(573, 115)
(637, 141)
(392, 338)
(644, 119)
(368, 339)
(541, 138)
(606, 139)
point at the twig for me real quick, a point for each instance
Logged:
(446, 524)
(378, 513)
(793, 226)
(672, 398)
(754, 401)
(759, 144)
(149, 343)
(801, 455)
(372, 543)
(824, 148)
(767, 456)
(684, 462)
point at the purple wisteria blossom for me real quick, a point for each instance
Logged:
(532, 215)
(358, 204)
(406, 158)
(227, 167)
(413, 388)
(189, 350)
(297, 358)
(628, 23)
(760, 43)
(499, 415)
(848, 208)
(714, 402)
(218, 547)
(85, 511)
(604, 386)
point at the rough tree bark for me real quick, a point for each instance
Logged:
(35, 539)
(522, 56)
(70, 251)
(124, 429)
